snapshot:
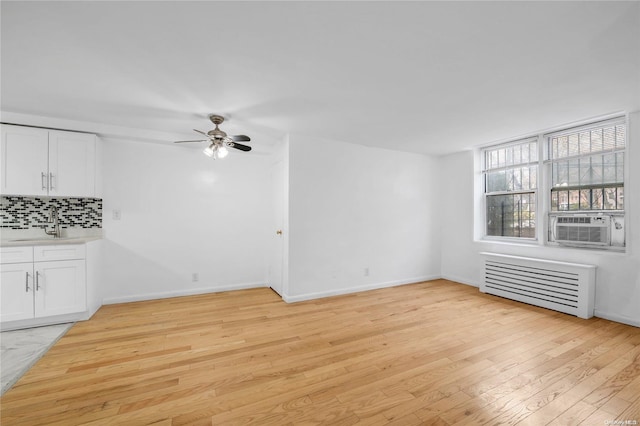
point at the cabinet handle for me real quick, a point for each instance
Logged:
(51, 176)
(37, 280)
(45, 183)
(26, 282)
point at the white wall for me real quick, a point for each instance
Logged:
(353, 207)
(618, 274)
(183, 213)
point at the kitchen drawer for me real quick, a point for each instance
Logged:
(59, 252)
(16, 254)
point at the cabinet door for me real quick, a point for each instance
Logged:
(24, 157)
(60, 288)
(72, 164)
(16, 291)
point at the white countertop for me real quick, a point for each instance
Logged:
(37, 237)
(46, 241)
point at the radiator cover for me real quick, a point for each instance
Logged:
(561, 286)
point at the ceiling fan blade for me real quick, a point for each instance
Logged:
(240, 146)
(199, 140)
(240, 138)
(201, 132)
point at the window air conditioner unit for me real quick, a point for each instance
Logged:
(581, 229)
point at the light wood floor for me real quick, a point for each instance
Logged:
(434, 353)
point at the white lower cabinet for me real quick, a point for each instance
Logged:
(60, 288)
(16, 291)
(41, 289)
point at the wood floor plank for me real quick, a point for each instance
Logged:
(434, 353)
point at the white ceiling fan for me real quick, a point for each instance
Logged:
(219, 141)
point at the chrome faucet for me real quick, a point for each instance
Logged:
(53, 218)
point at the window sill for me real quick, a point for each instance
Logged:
(590, 249)
(615, 251)
(529, 242)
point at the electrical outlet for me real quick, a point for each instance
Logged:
(366, 271)
(195, 277)
(116, 214)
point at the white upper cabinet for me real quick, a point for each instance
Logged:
(25, 157)
(72, 164)
(47, 162)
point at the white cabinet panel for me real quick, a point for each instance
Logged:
(59, 252)
(72, 165)
(16, 254)
(60, 287)
(16, 292)
(47, 162)
(24, 160)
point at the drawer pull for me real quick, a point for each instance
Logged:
(45, 182)
(26, 282)
(37, 280)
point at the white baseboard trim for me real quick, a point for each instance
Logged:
(460, 280)
(617, 318)
(178, 293)
(356, 289)
(39, 322)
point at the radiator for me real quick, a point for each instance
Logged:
(561, 286)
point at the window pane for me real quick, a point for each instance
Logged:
(574, 199)
(533, 177)
(609, 168)
(533, 151)
(496, 181)
(620, 194)
(585, 142)
(574, 145)
(561, 173)
(610, 199)
(508, 169)
(620, 167)
(509, 176)
(574, 172)
(585, 199)
(563, 148)
(563, 200)
(597, 199)
(554, 201)
(596, 140)
(511, 215)
(609, 138)
(620, 135)
(517, 154)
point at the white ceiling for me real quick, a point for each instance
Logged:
(427, 77)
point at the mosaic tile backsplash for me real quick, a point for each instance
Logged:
(33, 212)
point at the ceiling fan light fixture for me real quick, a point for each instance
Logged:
(210, 150)
(222, 151)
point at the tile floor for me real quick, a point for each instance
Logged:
(21, 349)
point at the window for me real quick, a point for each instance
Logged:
(510, 181)
(587, 167)
(580, 176)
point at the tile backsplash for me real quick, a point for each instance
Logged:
(33, 212)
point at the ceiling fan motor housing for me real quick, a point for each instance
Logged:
(216, 119)
(216, 133)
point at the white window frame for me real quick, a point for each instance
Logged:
(544, 185)
(486, 195)
(546, 163)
